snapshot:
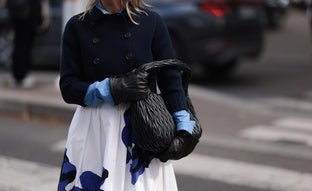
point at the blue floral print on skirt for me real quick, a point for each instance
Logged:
(101, 155)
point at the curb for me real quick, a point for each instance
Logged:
(36, 110)
(44, 100)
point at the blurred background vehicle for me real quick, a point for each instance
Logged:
(211, 35)
(275, 13)
(300, 4)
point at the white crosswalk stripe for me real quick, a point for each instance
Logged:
(20, 175)
(244, 174)
(59, 146)
(294, 123)
(297, 130)
(271, 133)
(287, 104)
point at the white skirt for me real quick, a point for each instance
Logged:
(101, 154)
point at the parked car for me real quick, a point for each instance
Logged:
(213, 35)
(210, 35)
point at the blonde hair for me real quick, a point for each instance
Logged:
(137, 5)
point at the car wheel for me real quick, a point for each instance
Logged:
(6, 47)
(275, 18)
(223, 70)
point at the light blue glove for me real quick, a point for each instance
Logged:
(183, 121)
(99, 92)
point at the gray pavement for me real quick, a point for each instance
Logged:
(43, 99)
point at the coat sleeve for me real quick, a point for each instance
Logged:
(73, 88)
(169, 79)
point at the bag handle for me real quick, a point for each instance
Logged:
(186, 77)
(186, 70)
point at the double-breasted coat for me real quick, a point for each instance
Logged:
(99, 46)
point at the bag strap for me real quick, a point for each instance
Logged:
(169, 63)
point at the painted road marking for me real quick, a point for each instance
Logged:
(284, 129)
(287, 103)
(271, 133)
(21, 175)
(243, 173)
(294, 123)
(59, 146)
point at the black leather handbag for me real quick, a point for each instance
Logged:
(152, 124)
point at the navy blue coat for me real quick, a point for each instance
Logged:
(100, 46)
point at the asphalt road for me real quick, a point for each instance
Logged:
(233, 154)
(249, 142)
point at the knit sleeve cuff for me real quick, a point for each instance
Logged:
(175, 102)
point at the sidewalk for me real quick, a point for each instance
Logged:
(42, 100)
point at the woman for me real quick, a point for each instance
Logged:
(25, 17)
(100, 49)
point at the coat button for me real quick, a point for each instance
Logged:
(96, 61)
(127, 35)
(95, 40)
(129, 56)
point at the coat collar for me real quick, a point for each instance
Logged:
(97, 15)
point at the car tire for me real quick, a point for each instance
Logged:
(223, 70)
(275, 18)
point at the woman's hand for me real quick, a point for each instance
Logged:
(182, 145)
(130, 87)
(184, 142)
